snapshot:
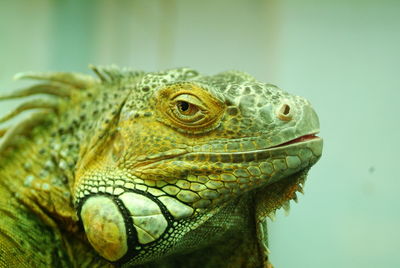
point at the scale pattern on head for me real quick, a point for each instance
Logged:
(170, 150)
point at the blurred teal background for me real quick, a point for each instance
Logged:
(344, 56)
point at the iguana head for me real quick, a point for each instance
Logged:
(180, 147)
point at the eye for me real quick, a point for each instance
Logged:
(186, 108)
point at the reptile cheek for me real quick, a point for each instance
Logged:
(105, 227)
(120, 227)
(148, 220)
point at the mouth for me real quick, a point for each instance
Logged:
(224, 157)
(304, 138)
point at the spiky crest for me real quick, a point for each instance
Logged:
(58, 86)
(113, 72)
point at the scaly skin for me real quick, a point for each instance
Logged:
(168, 169)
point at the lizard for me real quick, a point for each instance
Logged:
(149, 169)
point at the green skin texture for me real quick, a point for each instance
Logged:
(93, 131)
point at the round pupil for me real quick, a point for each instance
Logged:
(183, 106)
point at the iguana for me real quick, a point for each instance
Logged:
(149, 169)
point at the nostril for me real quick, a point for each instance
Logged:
(284, 112)
(285, 109)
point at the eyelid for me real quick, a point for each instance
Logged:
(190, 99)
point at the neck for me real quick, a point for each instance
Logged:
(37, 219)
(231, 238)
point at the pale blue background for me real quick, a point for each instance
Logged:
(344, 56)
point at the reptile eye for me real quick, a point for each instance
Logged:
(186, 108)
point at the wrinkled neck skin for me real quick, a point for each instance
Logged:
(229, 240)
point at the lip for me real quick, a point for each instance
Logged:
(303, 138)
